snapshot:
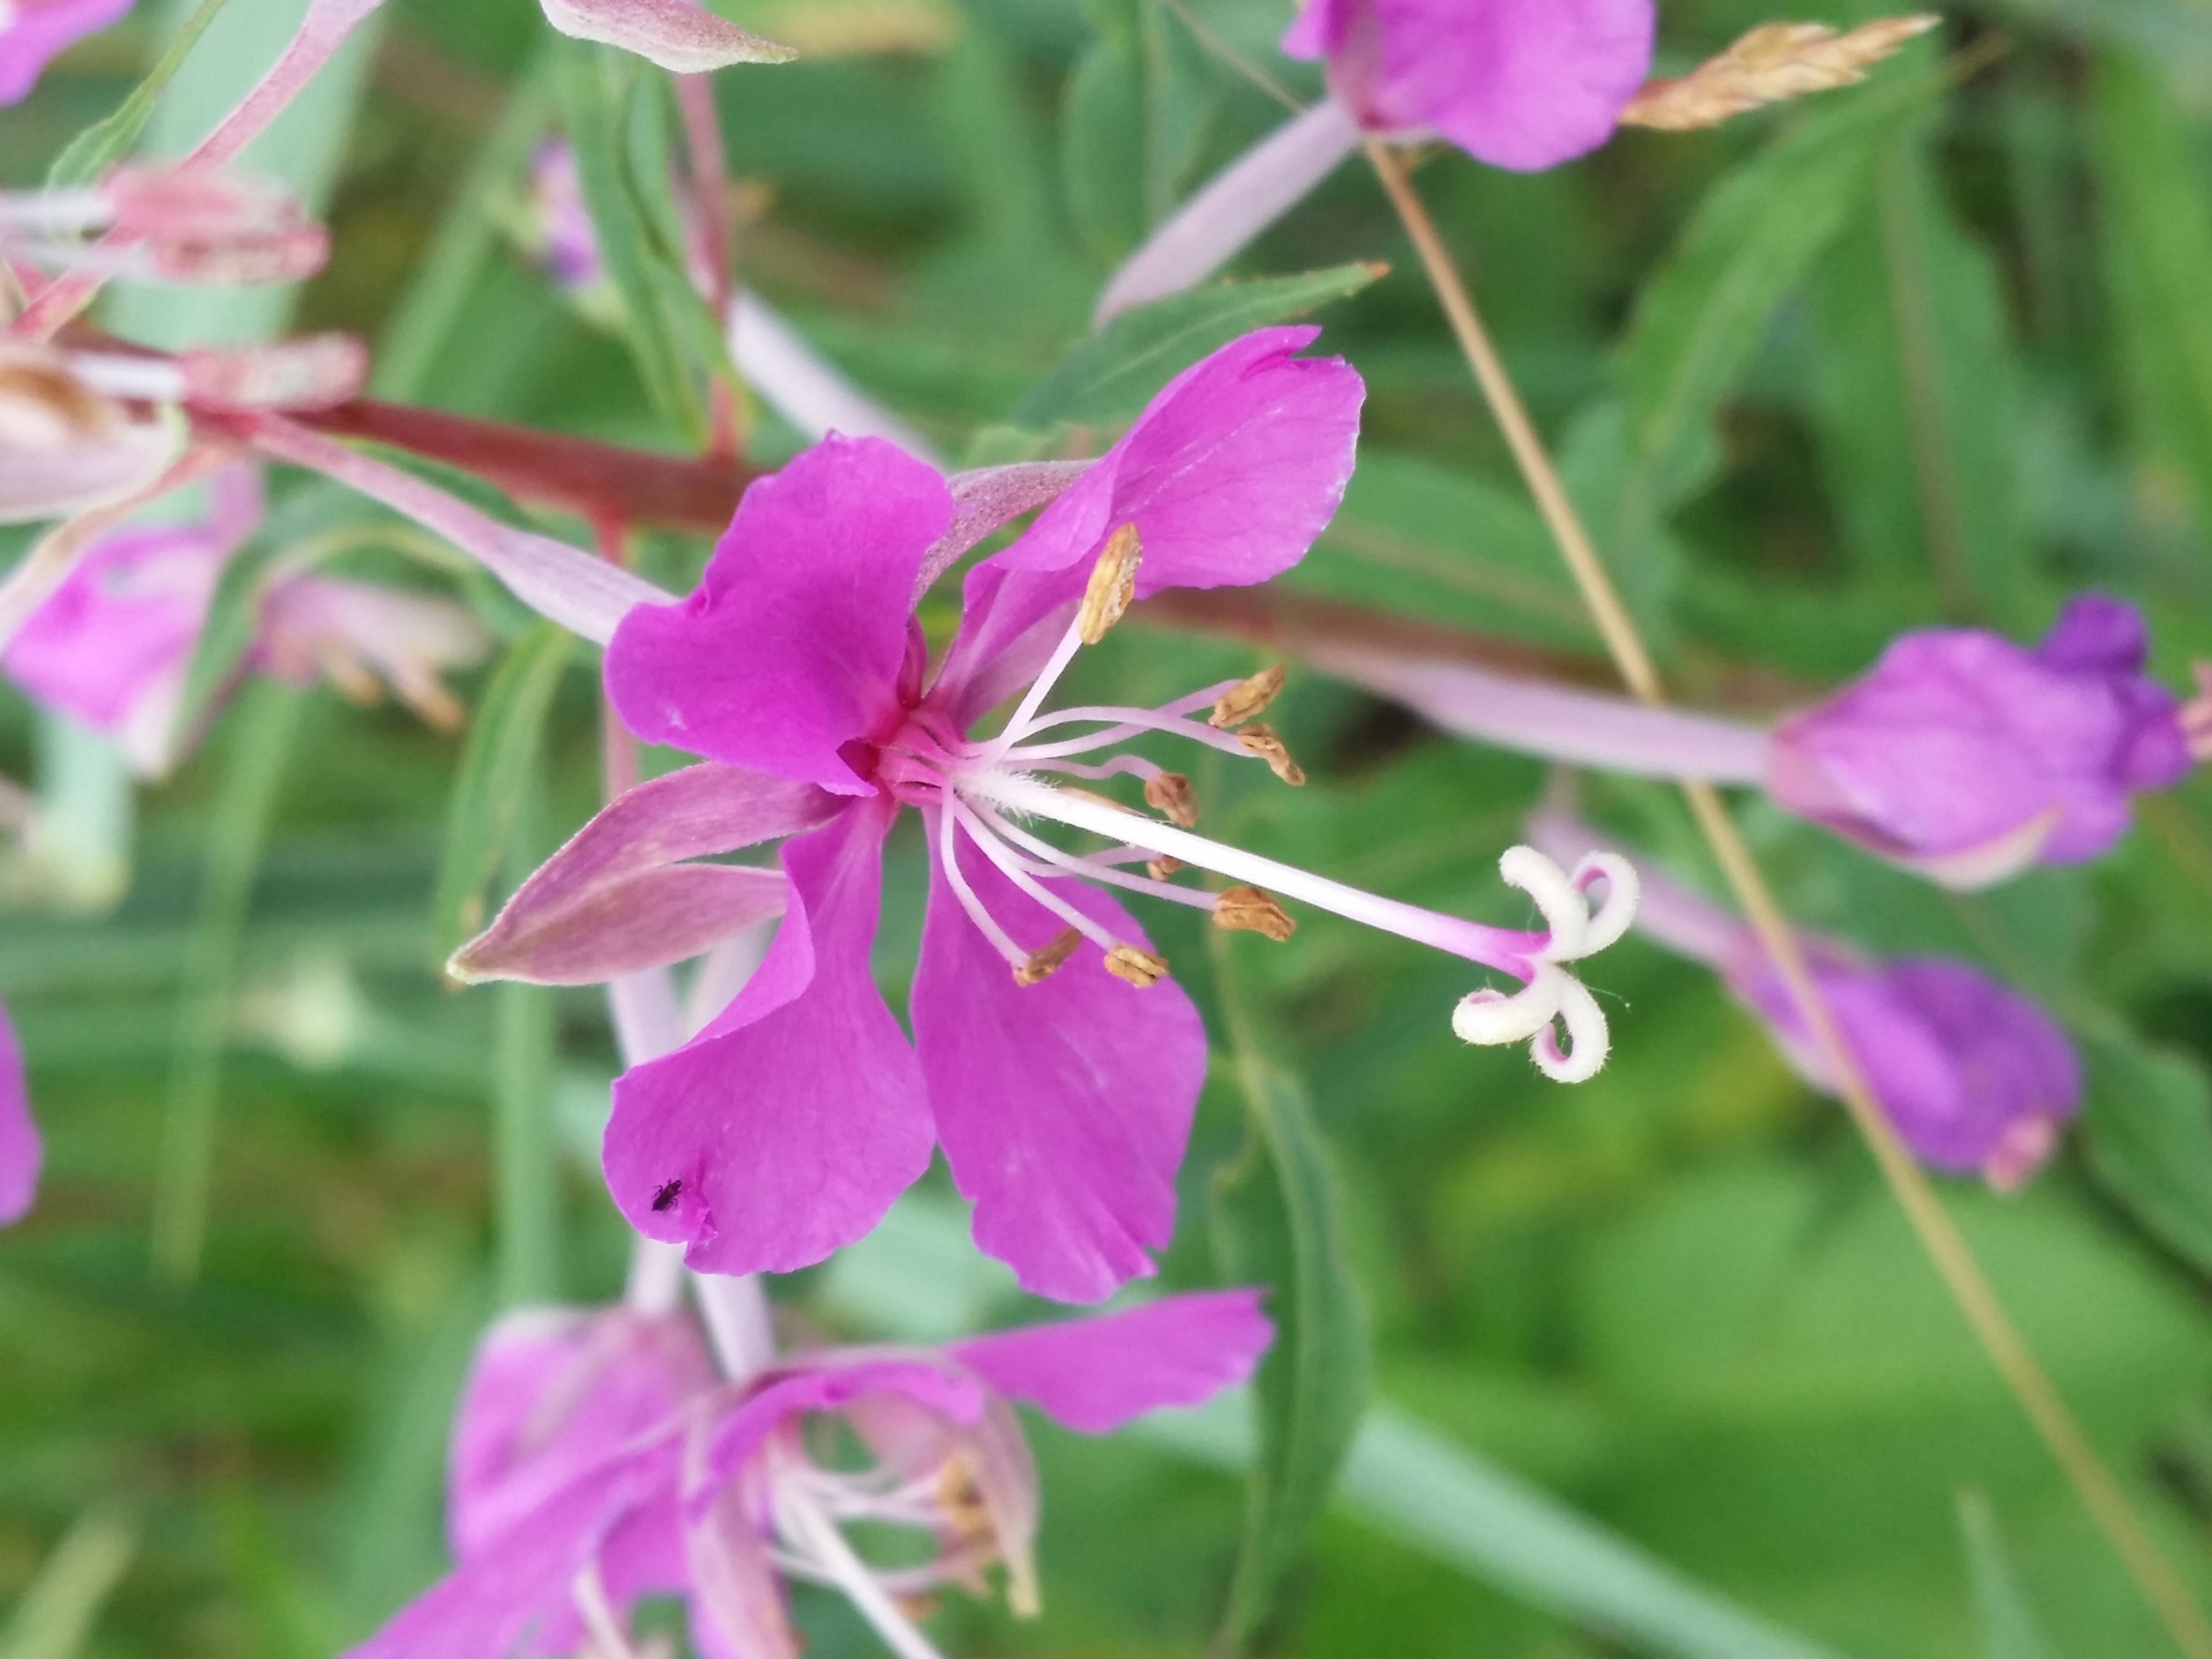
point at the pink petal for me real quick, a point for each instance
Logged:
(514, 1597)
(828, 1384)
(1095, 1374)
(1063, 1106)
(675, 35)
(21, 1153)
(791, 646)
(787, 1127)
(1518, 83)
(553, 1391)
(32, 37)
(1228, 474)
(618, 898)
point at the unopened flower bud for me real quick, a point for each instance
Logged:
(1262, 740)
(1112, 584)
(1248, 910)
(1245, 701)
(1171, 795)
(314, 373)
(1048, 959)
(1139, 968)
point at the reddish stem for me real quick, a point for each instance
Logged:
(594, 481)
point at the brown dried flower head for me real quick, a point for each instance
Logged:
(1773, 63)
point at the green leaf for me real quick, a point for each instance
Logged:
(1702, 314)
(630, 214)
(101, 145)
(2149, 1128)
(1277, 1223)
(496, 768)
(1144, 92)
(1109, 377)
(1446, 1501)
(2001, 1609)
(1450, 1503)
(2157, 247)
(1918, 396)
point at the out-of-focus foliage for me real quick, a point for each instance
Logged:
(1937, 348)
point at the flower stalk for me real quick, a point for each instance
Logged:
(1939, 1235)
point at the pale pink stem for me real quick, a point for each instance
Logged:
(57, 553)
(1213, 226)
(584, 594)
(708, 174)
(794, 382)
(1688, 923)
(1582, 728)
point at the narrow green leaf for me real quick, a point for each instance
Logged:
(56, 1610)
(101, 145)
(596, 85)
(525, 1152)
(1701, 315)
(1446, 1501)
(496, 767)
(2157, 247)
(2149, 1128)
(252, 774)
(1918, 394)
(2001, 1614)
(1109, 377)
(1276, 1222)
(1443, 1499)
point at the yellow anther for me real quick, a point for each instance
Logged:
(1139, 968)
(1045, 961)
(1242, 701)
(1248, 910)
(1113, 586)
(1161, 868)
(1262, 741)
(1170, 793)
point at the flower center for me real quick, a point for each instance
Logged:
(988, 792)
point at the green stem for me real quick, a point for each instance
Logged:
(261, 740)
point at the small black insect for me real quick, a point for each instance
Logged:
(666, 1196)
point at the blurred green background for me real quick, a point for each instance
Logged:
(1936, 348)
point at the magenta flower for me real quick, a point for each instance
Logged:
(33, 32)
(597, 1461)
(1051, 1058)
(1969, 758)
(1972, 1076)
(21, 1153)
(1524, 84)
(112, 647)
(1960, 755)
(561, 234)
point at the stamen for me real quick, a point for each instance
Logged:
(1262, 741)
(1015, 956)
(1113, 586)
(1011, 867)
(1098, 867)
(1247, 909)
(1048, 959)
(1127, 723)
(1247, 699)
(1161, 869)
(1170, 792)
(814, 1534)
(1137, 967)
